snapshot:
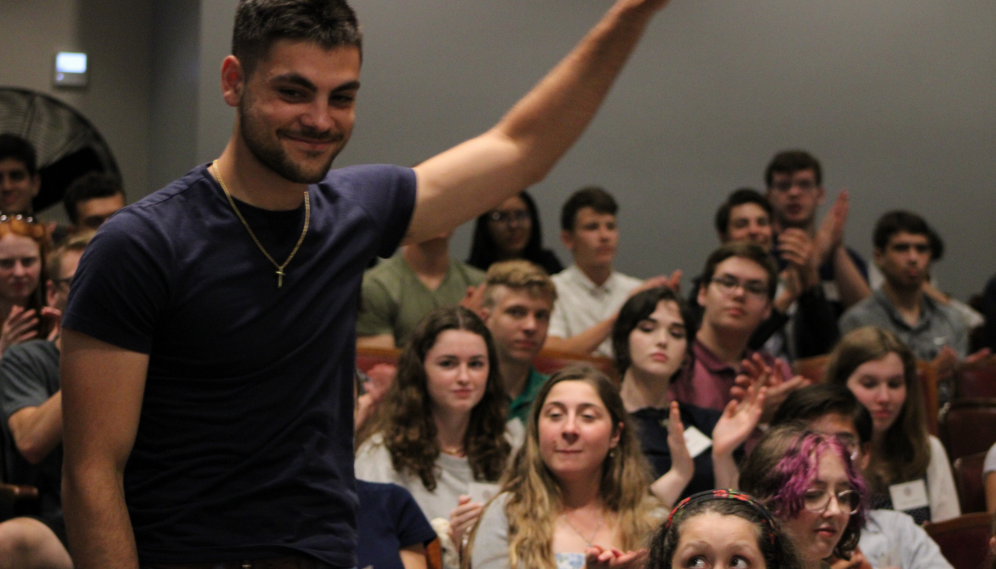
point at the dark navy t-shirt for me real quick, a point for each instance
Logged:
(389, 520)
(245, 442)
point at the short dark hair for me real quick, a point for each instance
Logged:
(590, 196)
(87, 187)
(260, 23)
(815, 401)
(790, 161)
(638, 308)
(13, 146)
(744, 250)
(897, 221)
(737, 198)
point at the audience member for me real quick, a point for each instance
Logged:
(889, 538)
(575, 494)
(511, 231)
(392, 531)
(398, 292)
(19, 179)
(650, 340)
(738, 285)
(23, 245)
(443, 422)
(908, 468)
(31, 410)
(590, 292)
(91, 199)
(808, 482)
(802, 322)
(518, 299)
(794, 179)
(722, 528)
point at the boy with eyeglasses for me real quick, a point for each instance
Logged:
(889, 538)
(736, 292)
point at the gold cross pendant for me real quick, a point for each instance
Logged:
(280, 277)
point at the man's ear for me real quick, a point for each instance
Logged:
(702, 294)
(232, 80)
(484, 312)
(35, 184)
(567, 238)
(767, 310)
(877, 255)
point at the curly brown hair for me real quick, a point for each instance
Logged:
(406, 421)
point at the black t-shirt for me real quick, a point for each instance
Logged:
(244, 447)
(388, 520)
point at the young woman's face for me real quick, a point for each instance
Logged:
(717, 541)
(457, 370)
(20, 267)
(816, 531)
(657, 345)
(575, 431)
(880, 385)
(510, 226)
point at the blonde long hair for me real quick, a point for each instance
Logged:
(534, 497)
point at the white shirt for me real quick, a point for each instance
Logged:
(581, 303)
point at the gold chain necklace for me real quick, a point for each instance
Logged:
(307, 219)
(589, 541)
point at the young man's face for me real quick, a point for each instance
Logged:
(794, 197)
(518, 321)
(58, 285)
(905, 261)
(296, 110)
(749, 222)
(92, 213)
(736, 300)
(594, 239)
(17, 186)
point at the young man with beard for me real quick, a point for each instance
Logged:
(209, 336)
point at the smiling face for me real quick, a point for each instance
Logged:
(815, 534)
(296, 109)
(576, 431)
(594, 239)
(731, 307)
(20, 268)
(749, 222)
(716, 541)
(510, 226)
(658, 344)
(457, 370)
(880, 385)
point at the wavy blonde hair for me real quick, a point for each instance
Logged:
(534, 496)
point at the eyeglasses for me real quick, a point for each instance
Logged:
(68, 282)
(804, 185)
(16, 216)
(817, 501)
(728, 284)
(520, 216)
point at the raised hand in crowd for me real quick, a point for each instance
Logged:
(668, 488)
(21, 325)
(598, 558)
(738, 421)
(756, 372)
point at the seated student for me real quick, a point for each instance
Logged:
(908, 469)
(794, 179)
(91, 199)
(808, 482)
(590, 291)
(577, 491)
(650, 339)
(802, 322)
(722, 528)
(517, 300)
(889, 538)
(23, 248)
(738, 285)
(442, 423)
(398, 292)
(511, 231)
(31, 411)
(18, 175)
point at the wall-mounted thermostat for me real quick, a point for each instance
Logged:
(70, 69)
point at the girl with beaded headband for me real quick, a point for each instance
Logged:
(23, 311)
(808, 482)
(722, 528)
(577, 492)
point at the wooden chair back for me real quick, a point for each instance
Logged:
(967, 472)
(931, 400)
(968, 426)
(964, 541)
(434, 555)
(977, 379)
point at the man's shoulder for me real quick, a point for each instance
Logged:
(624, 281)
(32, 350)
(468, 273)
(870, 310)
(366, 185)
(389, 274)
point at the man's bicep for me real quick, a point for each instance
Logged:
(102, 390)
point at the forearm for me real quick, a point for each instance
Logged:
(97, 522)
(668, 488)
(37, 431)
(851, 284)
(584, 343)
(725, 471)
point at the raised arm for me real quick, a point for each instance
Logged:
(520, 150)
(102, 387)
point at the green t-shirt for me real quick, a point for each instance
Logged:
(394, 300)
(520, 406)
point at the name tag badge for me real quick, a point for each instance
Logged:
(481, 492)
(696, 441)
(909, 495)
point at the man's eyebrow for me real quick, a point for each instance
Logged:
(351, 86)
(296, 79)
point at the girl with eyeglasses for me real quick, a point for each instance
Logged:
(23, 310)
(808, 482)
(511, 231)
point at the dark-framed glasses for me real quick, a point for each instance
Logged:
(728, 284)
(817, 501)
(519, 216)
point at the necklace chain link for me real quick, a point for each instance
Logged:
(307, 219)
(590, 541)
